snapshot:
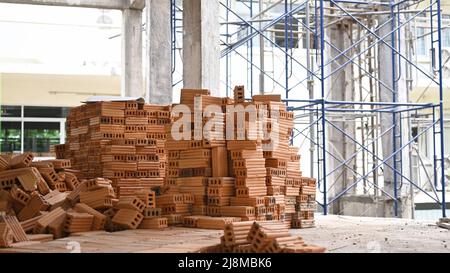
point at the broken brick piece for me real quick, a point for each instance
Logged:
(237, 211)
(16, 229)
(4, 164)
(262, 233)
(191, 221)
(59, 164)
(43, 187)
(6, 236)
(50, 176)
(36, 204)
(20, 196)
(236, 233)
(29, 178)
(99, 219)
(72, 181)
(21, 161)
(7, 182)
(97, 183)
(154, 223)
(128, 218)
(131, 202)
(56, 227)
(74, 195)
(174, 219)
(29, 224)
(148, 197)
(56, 198)
(98, 199)
(152, 213)
(215, 222)
(44, 221)
(61, 186)
(171, 198)
(78, 222)
(276, 245)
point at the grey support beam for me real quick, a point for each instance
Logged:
(132, 78)
(159, 76)
(342, 88)
(136, 4)
(387, 66)
(201, 45)
(97, 4)
(385, 72)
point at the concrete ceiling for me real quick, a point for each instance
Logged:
(99, 4)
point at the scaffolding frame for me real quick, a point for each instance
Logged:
(318, 113)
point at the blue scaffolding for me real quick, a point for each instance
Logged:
(238, 38)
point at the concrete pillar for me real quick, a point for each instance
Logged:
(159, 45)
(132, 79)
(201, 45)
(342, 88)
(386, 69)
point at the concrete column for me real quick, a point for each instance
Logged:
(159, 74)
(342, 88)
(201, 45)
(386, 69)
(132, 80)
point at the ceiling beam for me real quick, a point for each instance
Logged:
(98, 4)
(136, 4)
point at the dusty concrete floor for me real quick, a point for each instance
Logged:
(372, 235)
(336, 233)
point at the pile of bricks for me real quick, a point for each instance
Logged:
(261, 237)
(192, 162)
(47, 197)
(235, 177)
(122, 141)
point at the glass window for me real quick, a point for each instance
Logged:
(446, 37)
(39, 136)
(11, 111)
(293, 29)
(422, 42)
(415, 132)
(10, 137)
(447, 139)
(45, 112)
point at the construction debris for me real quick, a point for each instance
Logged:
(67, 205)
(261, 237)
(444, 223)
(121, 168)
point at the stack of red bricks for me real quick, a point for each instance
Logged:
(197, 173)
(236, 178)
(261, 237)
(121, 140)
(47, 197)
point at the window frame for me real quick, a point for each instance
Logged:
(22, 120)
